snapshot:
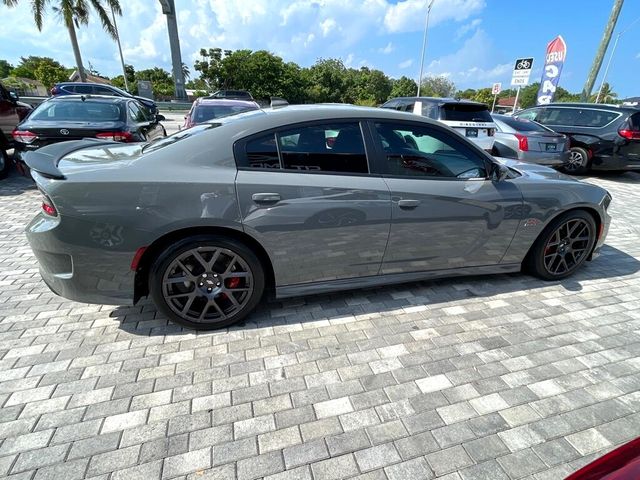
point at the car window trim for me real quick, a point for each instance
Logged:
(239, 147)
(381, 156)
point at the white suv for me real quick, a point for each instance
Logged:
(471, 119)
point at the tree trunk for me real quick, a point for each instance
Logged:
(76, 51)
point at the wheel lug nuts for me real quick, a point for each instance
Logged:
(204, 275)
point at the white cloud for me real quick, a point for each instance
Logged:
(468, 27)
(473, 64)
(409, 15)
(406, 64)
(387, 50)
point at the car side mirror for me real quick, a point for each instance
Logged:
(14, 97)
(499, 172)
(160, 118)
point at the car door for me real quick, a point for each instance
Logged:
(307, 196)
(446, 212)
(147, 127)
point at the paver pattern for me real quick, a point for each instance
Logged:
(487, 378)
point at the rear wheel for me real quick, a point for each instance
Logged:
(206, 282)
(563, 246)
(578, 163)
(5, 163)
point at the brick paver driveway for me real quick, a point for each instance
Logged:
(480, 378)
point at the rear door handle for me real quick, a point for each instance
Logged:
(408, 204)
(265, 198)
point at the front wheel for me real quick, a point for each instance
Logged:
(578, 163)
(206, 282)
(563, 246)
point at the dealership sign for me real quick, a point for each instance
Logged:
(521, 72)
(554, 60)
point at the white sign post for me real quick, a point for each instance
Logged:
(496, 89)
(521, 74)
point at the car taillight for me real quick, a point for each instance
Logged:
(48, 207)
(491, 132)
(23, 136)
(55, 91)
(116, 136)
(523, 142)
(629, 134)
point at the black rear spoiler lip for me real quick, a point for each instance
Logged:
(45, 160)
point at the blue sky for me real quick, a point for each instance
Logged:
(474, 42)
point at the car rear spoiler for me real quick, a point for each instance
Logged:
(45, 160)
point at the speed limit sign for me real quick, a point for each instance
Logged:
(496, 89)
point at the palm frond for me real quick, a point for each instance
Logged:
(38, 7)
(107, 25)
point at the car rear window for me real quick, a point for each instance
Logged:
(464, 112)
(523, 125)
(203, 113)
(86, 111)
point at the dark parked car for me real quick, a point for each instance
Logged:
(12, 112)
(470, 119)
(602, 137)
(232, 94)
(297, 200)
(60, 119)
(79, 88)
(205, 109)
(529, 141)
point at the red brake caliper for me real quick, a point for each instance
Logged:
(233, 282)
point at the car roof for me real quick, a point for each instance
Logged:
(85, 83)
(604, 106)
(229, 102)
(440, 100)
(82, 98)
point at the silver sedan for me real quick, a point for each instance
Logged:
(297, 200)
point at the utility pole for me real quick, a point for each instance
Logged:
(604, 44)
(169, 9)
(124, 70)
(424, 44)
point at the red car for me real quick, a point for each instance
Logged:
(205, 109)
(623, 463)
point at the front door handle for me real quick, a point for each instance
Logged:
(408, 204)
(265, 198)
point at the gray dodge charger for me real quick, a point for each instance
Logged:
(293, 201)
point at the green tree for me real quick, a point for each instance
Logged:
(5, 68)
(403, 87)
(439, 86)
(328, 81)
(161, 81)
(73, 14)
(210, 66)
(118, 81)
(468, 94)
(371, 87)
(484, 95)
(607, 95)
(528, 95)
(186, 73)
(49, 74)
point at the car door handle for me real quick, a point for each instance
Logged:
(408, 204)
(265, 198)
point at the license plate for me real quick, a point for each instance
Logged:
(551, 147)
(472, 132)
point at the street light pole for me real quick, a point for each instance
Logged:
(424, 44)
(613, 50)
(124, 71)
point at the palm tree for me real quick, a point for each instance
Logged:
(606, 95)
(73, 14)
(186, 73)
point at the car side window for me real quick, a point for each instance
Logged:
(529, 114)
(104, 91)
(262, 152)
(81, 89)
(331, 147)
(422, 151)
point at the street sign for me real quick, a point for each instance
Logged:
(554, 60)
(144, 89)
(522, 71)
(496, 89)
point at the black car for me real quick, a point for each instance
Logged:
(75, 117)
(80, 88)
(602, 137)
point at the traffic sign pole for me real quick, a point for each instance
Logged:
(495, 97)
(515, 104)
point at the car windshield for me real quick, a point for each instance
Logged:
(203, 113)
(120, 91)
(523, 125)
(78, 111)
(465, 112)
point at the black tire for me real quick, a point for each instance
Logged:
(5, 163)
(202, 243)
(579, 162)
(538, 261)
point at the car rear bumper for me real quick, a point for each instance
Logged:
(550, 159)
(80, 272)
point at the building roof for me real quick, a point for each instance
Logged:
(74, 77)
